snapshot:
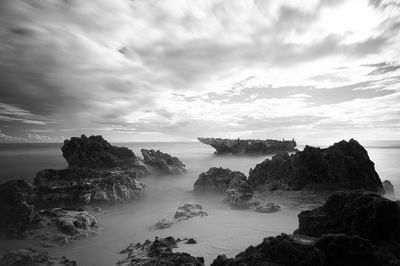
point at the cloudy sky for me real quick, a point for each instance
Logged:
(156, 70)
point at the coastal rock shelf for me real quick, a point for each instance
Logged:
(247, 146)
(344, 165)
(31, 257)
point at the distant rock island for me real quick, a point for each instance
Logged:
(248, 146)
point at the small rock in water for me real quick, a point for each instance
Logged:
(268, 208)
(388, 187)
(183, 212)
(191, 241)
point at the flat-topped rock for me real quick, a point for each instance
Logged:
(342, 166)
(217, 179)
(163, 163)
(244, 146)
(96, 152)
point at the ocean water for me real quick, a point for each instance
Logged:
(223, 231)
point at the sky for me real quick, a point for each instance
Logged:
(156, 70)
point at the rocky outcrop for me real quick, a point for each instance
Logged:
(31, 257)
(16, 198)
(183, 212)
(343, 166)
(217, 180)
(82, 186)
(267, 208)
(239, 193)
(388, 187)
(96, 152)
(243, 146)
(361, 213)
(158, 252)
(163, 163)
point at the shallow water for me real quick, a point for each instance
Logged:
(223, 231)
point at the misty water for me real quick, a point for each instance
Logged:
(223, 231)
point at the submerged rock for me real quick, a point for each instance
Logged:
(354, 213)
(96, 152)
(249, 145)
(388, 187)
(183, 212)
(163, 163)
(267, 208)
(345, 165)
(31, 257)
(16, 198)
(217, 180)
(158, 252)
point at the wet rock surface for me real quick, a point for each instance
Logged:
(267, 208)
(163, 163)
(217, 180)
(244, 146)
(342, 166)
(31, 257)
(158, 252)
(183, 212)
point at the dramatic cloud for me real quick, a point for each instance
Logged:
(174, 70)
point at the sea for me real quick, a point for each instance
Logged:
(224, 231)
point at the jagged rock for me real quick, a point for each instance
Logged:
(388, 187)
(83, 186)
(96, 152)
(16, 197)
(267, 208)
(191, 241)
(183, 212)
(249, 145)
(282, 250)
(239, 194)
(217, 180)
(354, 213)
(158, 252)
(31, 257)
(345, 165)
(163, 163)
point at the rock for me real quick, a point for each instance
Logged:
(16, 198)
(267, 208)
(245, 146)
(96, 152)
(83, 186)
(163, 162)
(360, 213)
(183, 212)
(31, 257)
(158, 252)
(191, 241)
(343, 166)
(276, 251)
(217, 180)
(239, 194)
(388, 187)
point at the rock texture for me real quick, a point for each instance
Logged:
(345, 165)
(388, 187)
(239, 193)
(96, 152)
(163, 163)
(361, 213)
(244, 146)
(31, 257)
(217, 180)
(183, 212)
(16, 198)
(158, 252)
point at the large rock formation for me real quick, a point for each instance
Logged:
(217, 180)
(239, 193)
(158, 252)
(354, 213)
(163, 163)
(345, 165)
(249, 145)
(31, 257)
(96, 152)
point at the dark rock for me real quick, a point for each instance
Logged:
(183, 212)
(158, 252)
(343, 166)
(388, 187)
(163, 162)
(239, 194)
(276, 251)
(217, 180)
(191, 241)
(354, 213)
(31, 257)
(82, 186)
(96, 152)
(249, 145)
(16, 197)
